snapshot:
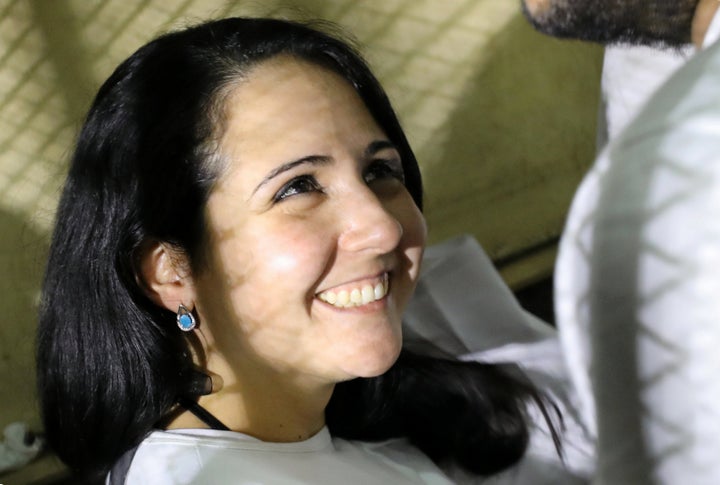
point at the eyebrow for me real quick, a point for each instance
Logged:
(379, 145)
(310, 159)
(371, 150)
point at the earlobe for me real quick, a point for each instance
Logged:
(165, 277)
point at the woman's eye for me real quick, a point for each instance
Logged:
(298, 185)
(384, 169)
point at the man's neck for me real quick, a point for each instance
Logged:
(704, 14)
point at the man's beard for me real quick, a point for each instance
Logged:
(664, 23)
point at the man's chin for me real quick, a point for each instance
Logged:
(656, 23)
(533, 8)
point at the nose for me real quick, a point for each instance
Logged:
(368, 225)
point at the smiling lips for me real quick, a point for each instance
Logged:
(355, 296)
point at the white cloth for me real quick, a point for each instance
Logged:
(211, 457)
(637, 286)
(16, 450)
(462, 305)
(543, 363)
(498, 329)
(630, 75)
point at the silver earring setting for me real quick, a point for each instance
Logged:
(185, 319)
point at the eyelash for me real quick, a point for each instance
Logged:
(298, 185)
(378, 169)
(382, 169)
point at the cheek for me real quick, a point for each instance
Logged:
(285, 259)
(277, 259)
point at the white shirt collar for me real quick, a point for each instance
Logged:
(713, 31)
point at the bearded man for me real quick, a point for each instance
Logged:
(637, 279)
(665, 23)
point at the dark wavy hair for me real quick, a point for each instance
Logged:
(112, 365)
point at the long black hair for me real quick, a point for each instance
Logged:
(111, 364)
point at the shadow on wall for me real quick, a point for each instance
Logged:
(22, 259)
(514, 151)
(518, 144)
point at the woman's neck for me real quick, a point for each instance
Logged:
(272, 407)
(704, 13)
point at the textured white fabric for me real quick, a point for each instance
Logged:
(630, 75)
(498, 329)
(637, 287)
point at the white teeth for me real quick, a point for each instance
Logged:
(356, 296)
(368, 294)
(379, 291)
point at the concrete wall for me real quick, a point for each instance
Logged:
(502, 120)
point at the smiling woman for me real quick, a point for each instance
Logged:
(286, 238)
(248, 181)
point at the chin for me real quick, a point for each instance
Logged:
(536, 7)
(376, 361)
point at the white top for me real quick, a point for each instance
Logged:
(226, 457)
(637, 286)
(199, 456)
(208, 457)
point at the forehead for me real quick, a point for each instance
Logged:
(287, 85)
(285, 106)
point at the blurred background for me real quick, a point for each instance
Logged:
(501, 118)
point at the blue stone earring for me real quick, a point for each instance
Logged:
(185, 319)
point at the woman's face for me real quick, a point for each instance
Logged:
(314, 243)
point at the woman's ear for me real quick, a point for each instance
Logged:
(164, 274)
